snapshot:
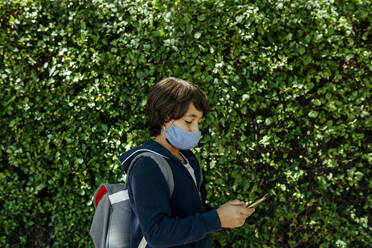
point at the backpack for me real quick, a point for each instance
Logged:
(111, 222)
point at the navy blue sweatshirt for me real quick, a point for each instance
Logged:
(184, 220)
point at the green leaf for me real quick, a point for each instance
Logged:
(313, 114)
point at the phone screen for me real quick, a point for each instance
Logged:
(258, 201)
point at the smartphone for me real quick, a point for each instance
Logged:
(258, 201)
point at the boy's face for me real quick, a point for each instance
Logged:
(190, 121)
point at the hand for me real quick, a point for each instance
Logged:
(233, 213)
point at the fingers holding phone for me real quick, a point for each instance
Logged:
(233, 213)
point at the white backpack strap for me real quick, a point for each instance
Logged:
(143, 243)
(119, 196)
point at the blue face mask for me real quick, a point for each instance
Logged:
(181, 139)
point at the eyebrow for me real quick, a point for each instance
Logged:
(193, 115)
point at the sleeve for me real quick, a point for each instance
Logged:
(150, 196)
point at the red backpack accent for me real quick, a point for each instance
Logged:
(102, 191)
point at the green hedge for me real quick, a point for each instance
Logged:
(289, 86)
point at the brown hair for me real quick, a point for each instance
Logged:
(169, 100)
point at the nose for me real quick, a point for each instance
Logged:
(195, 127)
